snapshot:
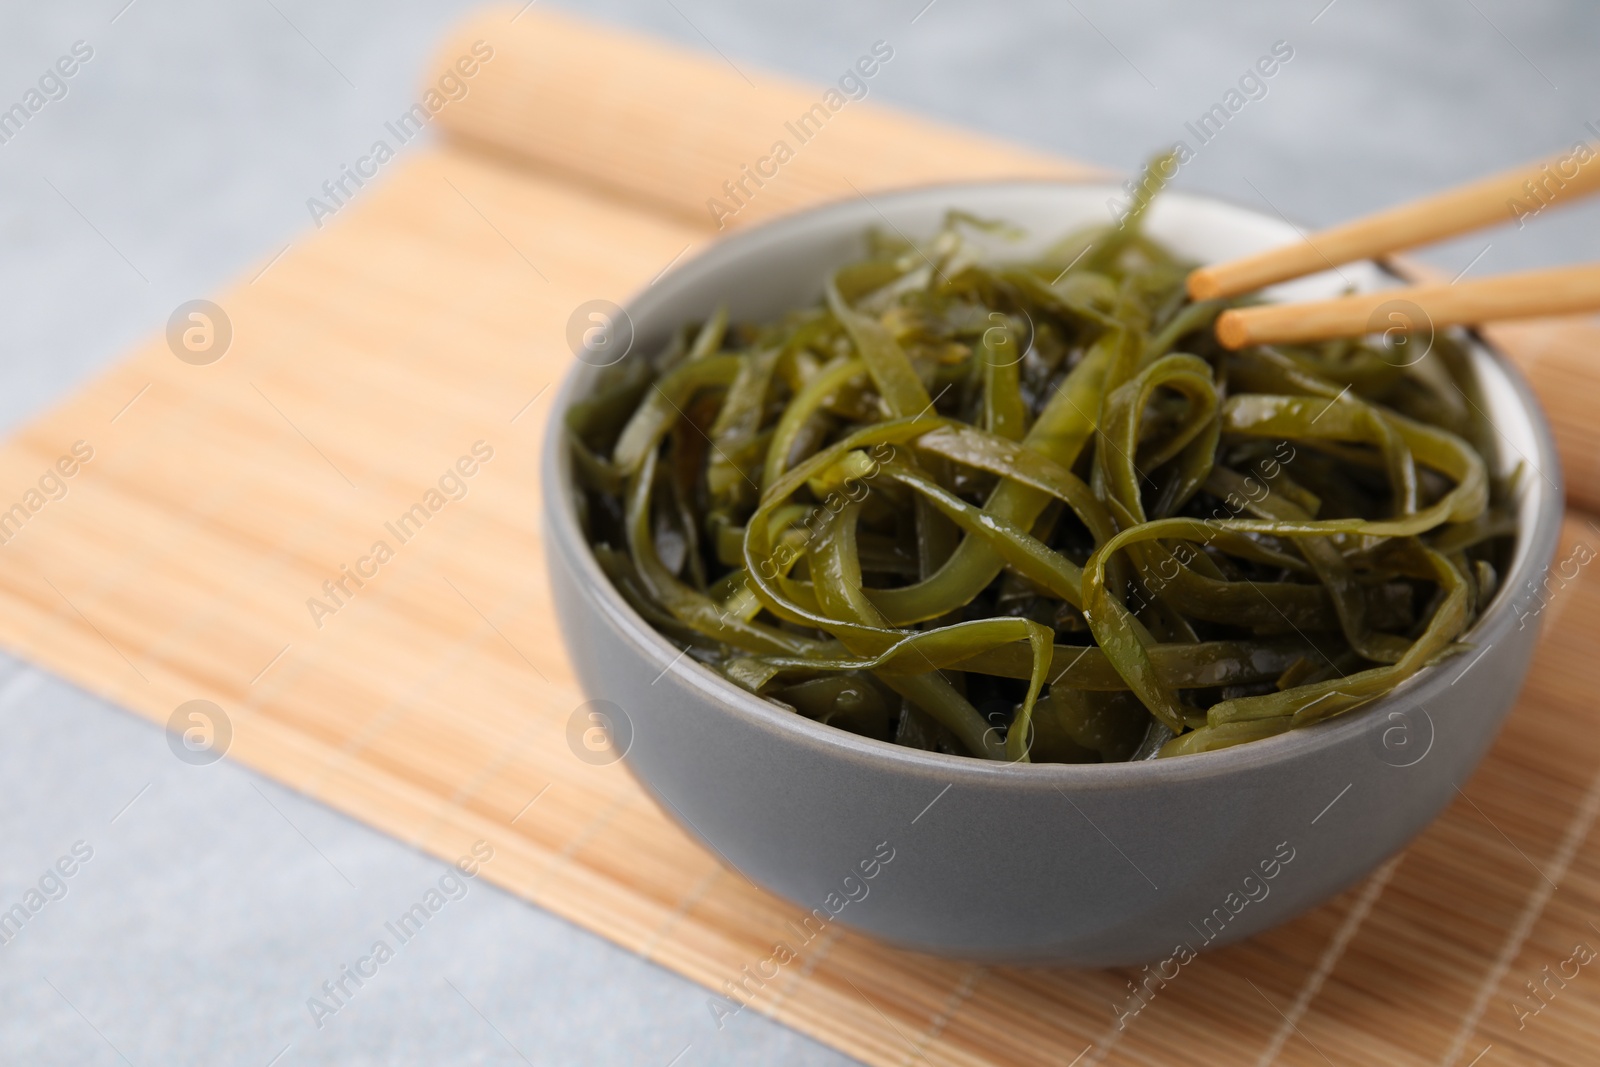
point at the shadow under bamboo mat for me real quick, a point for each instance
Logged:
(427, 317)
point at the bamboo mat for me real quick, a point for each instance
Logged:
(427, 316)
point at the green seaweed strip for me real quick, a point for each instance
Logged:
(1028, 510)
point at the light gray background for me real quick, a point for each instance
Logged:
(217, 902)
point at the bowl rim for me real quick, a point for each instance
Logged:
(562, 531)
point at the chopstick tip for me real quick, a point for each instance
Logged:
(1232, 330)
(1203, 284)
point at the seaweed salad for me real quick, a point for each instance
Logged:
(1032, 510)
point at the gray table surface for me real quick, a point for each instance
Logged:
(215, 902)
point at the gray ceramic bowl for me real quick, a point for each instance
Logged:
(1061, 864)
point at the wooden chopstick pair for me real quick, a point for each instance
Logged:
(1558, 291)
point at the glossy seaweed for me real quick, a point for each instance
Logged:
(1032, 511)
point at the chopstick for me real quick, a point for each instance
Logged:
(1559, 180)
(1557, 291)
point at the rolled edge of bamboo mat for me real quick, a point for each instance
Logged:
(672, 128)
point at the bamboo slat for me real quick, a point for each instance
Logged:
(429, 314)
